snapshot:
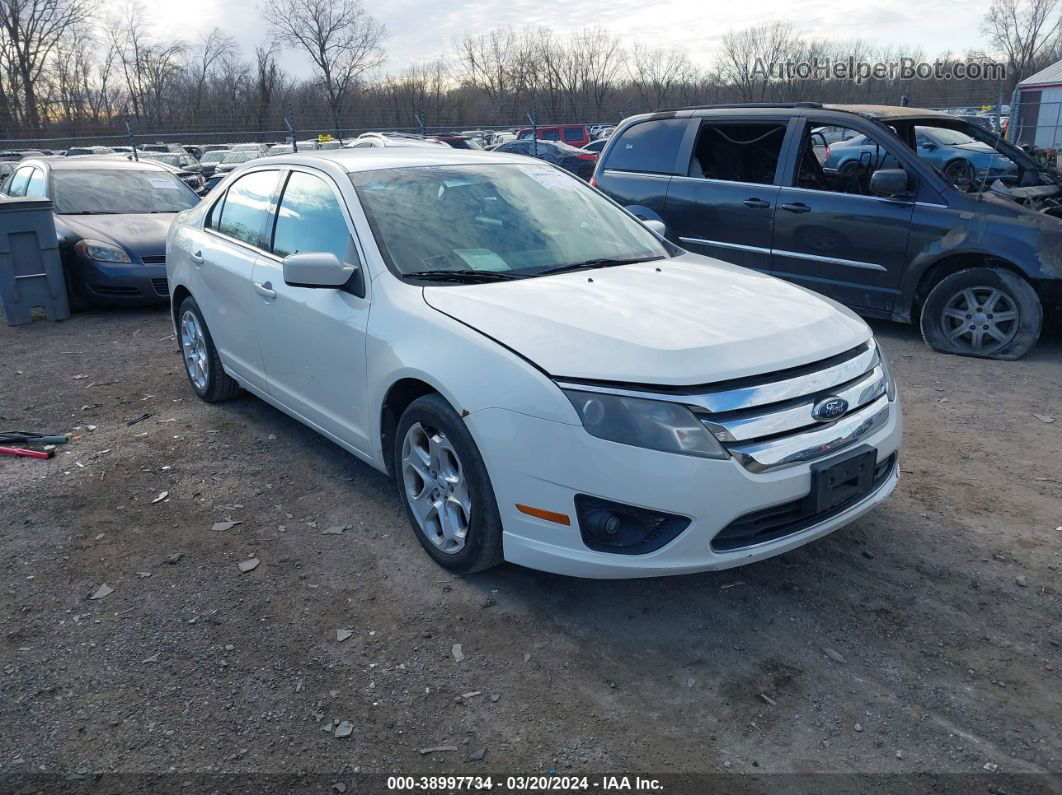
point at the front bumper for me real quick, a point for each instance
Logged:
(112, 283)
(546, 464)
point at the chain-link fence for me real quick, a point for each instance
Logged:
(1036, 123)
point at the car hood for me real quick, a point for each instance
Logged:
(684, 321)
(141, 234)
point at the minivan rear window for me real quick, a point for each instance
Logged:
(648, 146)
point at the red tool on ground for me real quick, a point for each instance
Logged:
(27, 453)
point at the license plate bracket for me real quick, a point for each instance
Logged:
(838, 480)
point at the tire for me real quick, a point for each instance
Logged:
(849, 168)
(959, 173)
(215, 385)
(441, 440)
(947, 314)
(75, 296)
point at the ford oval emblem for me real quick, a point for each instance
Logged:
(829, 409)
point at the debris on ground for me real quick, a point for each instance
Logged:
(437, 749)
(336, 530)
(476, 756)
(102, 591)
(455, 650)
(344, 729)
(1044, 418)
(834, 655)
(162, 495)
(343, 634)
(228, 524)
(248, 565)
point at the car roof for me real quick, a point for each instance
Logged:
(118, 163)
(354, 160)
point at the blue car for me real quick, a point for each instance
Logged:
(961, 159)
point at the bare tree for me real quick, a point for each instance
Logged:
(1021, 30)
(656, 73)
(341, 38)
(266, 80)
(211, 51)
(33, 29)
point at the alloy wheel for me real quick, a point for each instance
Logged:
(436, 488)
(980, 320)
(194, 348)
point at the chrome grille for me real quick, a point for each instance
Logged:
(766, 422)
(775, 426)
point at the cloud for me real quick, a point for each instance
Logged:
(423, 29)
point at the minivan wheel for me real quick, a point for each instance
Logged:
(986, 312)
(445, 488)
(202, 364)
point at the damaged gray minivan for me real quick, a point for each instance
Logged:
(935, 220)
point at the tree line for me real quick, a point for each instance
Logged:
(77, 67)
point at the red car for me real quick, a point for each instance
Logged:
(576, 135)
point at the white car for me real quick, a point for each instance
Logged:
(546, 379)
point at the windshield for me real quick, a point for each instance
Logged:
(169, 160)
(239, 157)
(505, 219)
(106, 191)
(213, 157)
(946, 137)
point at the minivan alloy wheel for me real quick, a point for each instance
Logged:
(980, 319)
(194, 348)
(436, 488)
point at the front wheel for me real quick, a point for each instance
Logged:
(960, 173)
(986, 312)
(445, 488)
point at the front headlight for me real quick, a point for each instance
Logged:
(653, 424)
(890, 383)
(101, 252)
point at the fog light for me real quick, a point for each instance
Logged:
(608, 526)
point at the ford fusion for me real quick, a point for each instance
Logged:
(547, 381)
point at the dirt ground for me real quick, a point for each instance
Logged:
(941, 610)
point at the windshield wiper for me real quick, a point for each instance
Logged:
(601, 262)
(464, 276)
(91, 212)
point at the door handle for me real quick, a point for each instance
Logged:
(197, 258)
(799, 207)
(265, 290)
(756, 204)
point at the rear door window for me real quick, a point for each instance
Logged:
(17, 186)
(246, 207)
(649, 146)
(573, 134)
(746, 152)
(35, 186)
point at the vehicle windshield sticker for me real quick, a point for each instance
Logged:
(481, 259)
(550, 178)
(165, 184)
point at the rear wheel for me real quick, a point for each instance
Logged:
(445, 488)
(202, 364)
(986, 312)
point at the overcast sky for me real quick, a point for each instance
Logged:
(420, 29)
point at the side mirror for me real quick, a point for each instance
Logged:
(316, 269)
(889, 182)
(929, 146)
(658, 228)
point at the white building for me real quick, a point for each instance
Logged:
(1036, 112)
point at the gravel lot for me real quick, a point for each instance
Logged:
(941, 611)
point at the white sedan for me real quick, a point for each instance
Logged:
(547, 380)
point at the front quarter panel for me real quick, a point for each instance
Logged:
(409, 339)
